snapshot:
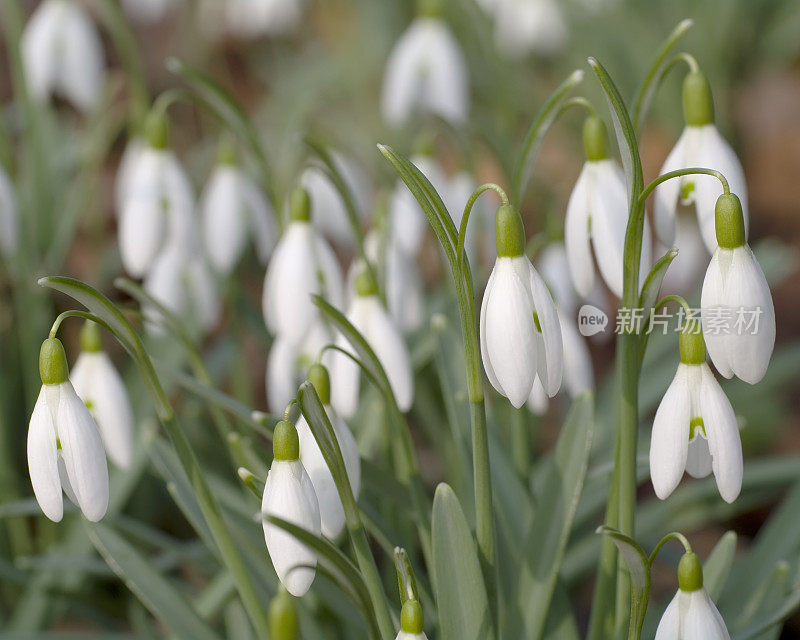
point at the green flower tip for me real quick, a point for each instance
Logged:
(365, 284)
(300, 206)
(156, 129)
(691, 343)
(698, 103)
(283, 623)
(53, 367)
(411, 617)
(318, 376)
(509, 232)
(285, 443)
(430, 8)
(226, 151)
(595, 138)
(690, 573)
(729, 221)
(90, 337)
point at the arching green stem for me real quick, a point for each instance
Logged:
(675, 535)
(462, 230)
(679, 173)
(578, 101)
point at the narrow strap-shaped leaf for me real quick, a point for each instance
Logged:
(717, 567)
(165, 602)
(781, 613)
(558, 491)
(650, 291)
(532, 141)
(460, 591)
(639, 570)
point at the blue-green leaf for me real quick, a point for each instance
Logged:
(717, 567)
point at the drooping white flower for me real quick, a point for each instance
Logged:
(736, 303)
(403, 285)
(368, 315)
(289, 495)
(407, 220)
(330, 504)
(523, 27)
(98, 384)
(700, 145)
(148, 11)
(62, 54)
(519, 328)
(301, 266)
(426, 73)
(157, 203)
(328, 212)
(686, 269)
(695, 428)
(256, 18)
(691, 615)
(233, 208)
(597, 217)
(65, 451)
(9, 216)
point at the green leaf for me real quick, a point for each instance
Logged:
(765, 602)
(717, 567)
(639, 570)
(651, 289)
(167, 604)
(651, 82)
(536, 133)
(558, 489)
(460, 590)
(339, 568)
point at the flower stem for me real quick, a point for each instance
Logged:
(683, 172)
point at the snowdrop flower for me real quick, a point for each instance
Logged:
(407, 219)
(691, 615)
(157, 202)
(302, 265)
(700, 145)
(232, 207)
(148, 11)
(426, 72)
(597, 212)
(405, 297)
(368, 315)
(519, 329)
(65, 451)
(695, 428)
(98, 384)
(330, 504)
(62, 54)
(736, 304)
(255, 18)
(9, 216)
(289, 495)
(523, 27)
(411, 622)
(328, 212)
(181, 280)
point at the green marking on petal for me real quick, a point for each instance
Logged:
(536, 322)
(687, 189)
(695, 425)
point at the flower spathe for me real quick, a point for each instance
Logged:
(691, 615)
(426, 73)
(700, 145)
(9, 216)
(233, 209)
(368, 315)
(99, 385)
(695, 429)
(520, 334)
(289, 495)
(737, 310)
(62, 54)
(65, 451)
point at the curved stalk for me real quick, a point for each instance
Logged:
(689, 171)
(675, 535)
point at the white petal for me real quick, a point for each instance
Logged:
(688, 267)
(402, 81)
(404, 635)
(713, 308)
(128, 167)
(722, 431)
(701, 620)
(537, 400)
(698, 460)
(141, 233)
(553, 266)
(550, 362)
(666, 194)
(281, 376)
(576, 235)
(286, 497)
(669, 628)
(43, 459)
(407, 220)
(670, 439)
(526, 26)
(148, 11)
(345, 377)
(9, 216)
(203, 299)
(39, 47)
(578, 373)
(487, 363)
(510, 333)
(223, 218)
(83, 453)
(608, 208)
(349, 448)
(329, 273)
(330, 505)
(98, 384)
(81, 65)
